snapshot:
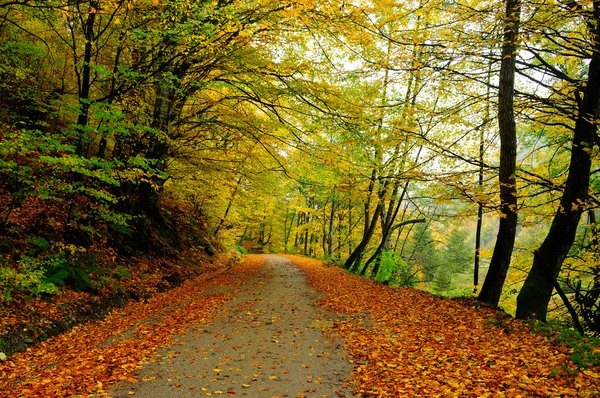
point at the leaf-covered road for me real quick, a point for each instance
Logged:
(254, 331)
(266, 341)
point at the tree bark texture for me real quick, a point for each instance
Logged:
(494, 281)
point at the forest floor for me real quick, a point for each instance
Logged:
(277, 327)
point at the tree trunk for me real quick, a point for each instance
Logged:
(386, 226)
(385, 243)
(494, 281)
(306, 242)
(350, 226)
(353, 262)
(85, 81)
(477, 247)
(486, 119)
(331, 230)
(535, 295)
(229, 204)
(368, 229)
(298, 236)
(287, 231)
(243, 237)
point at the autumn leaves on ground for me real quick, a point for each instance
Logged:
(400, 342)
(421, 345)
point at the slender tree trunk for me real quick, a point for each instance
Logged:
(353, 262)
(569, 306)
(387, 225)
(399, 234)
(593, 228)
(339, 234)
(306, 241)
(331, 230)
(389, 217)
(269, 234)
(480, 183)
(324, 230)
(477, 247)
(494, 281)
(85, 81)
(148, 198)
(350, 226)
(262, 230)
(287, 231)
(243, 237)
(298, 236)
(535, 295)
(229, 204)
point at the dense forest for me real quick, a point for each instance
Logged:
(448, 145)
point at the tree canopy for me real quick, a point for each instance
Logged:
(404, 140)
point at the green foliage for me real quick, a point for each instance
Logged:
(457, 256)
(25, 96)
(465, 293)
(388, 264)
(72, 270)
(39, 245)
(20, 169)
(29, 279)
(442, 280)
(47, 266)
(122, 273)
(455, 259)
(395, 271)
(585, 350)
(424, 251)
(35, 165)
(581, 276)
(241, 249)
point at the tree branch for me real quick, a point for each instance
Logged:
(403, 223)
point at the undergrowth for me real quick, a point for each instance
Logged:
(585, 349)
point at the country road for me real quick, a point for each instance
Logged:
(267, 341)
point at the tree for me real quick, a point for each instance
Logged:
(424, 251)
(494, 281)
(457, 256)
(535, 294)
